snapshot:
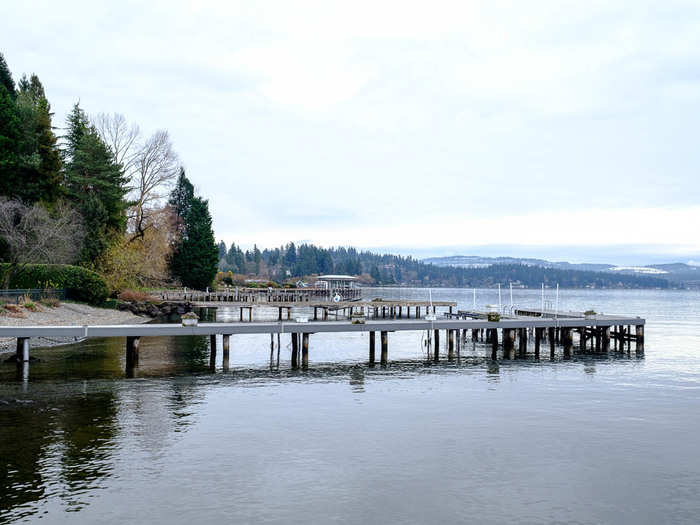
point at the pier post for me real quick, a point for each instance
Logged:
(295, 350)
(22, 349)
(494, 343)
(582, 340)
(305, 350)
(132, 351)
(225, 346)
(522, 342)
(550, 336)
(475, 334)
(212, 353)
(385, 348)
(639, 330)
(508, 336)
(371, 348)
(568, 342)
(606, 338)
(538, 338)
(437, 345)
(450, 344)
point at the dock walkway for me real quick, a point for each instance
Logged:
(595, 331)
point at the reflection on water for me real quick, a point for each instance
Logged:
(596, 439)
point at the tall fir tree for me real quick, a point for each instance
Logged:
(6, 78)
(196, 256)
(39, 171)
(95, 183)
(10, 131)
(181, 199)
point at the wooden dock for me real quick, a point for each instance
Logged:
(593, 334)
(384, 309)
(259, 295)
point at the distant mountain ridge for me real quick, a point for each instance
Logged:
(678, 273)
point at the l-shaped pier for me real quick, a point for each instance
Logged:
(597, 332)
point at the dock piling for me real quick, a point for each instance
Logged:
(385, 348)
(305, 350)
(371, 348)
(225, 347)
(132, 351)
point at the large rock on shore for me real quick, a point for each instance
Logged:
(155, 310)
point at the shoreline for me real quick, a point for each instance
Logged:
(66, 314)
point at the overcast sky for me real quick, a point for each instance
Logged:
(566, 129)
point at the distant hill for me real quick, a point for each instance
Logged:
(679, 274)
(475, 261)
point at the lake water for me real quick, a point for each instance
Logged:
(597, 439)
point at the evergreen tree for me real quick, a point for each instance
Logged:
(257, 259)
(6, 78)
(222, 250)
(181, 199)
(95, 183)
(10, 133)
(39, 170)
(195, 258)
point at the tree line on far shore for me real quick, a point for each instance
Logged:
(291, 262)
(97, 194)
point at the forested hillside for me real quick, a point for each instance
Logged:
(292, 261)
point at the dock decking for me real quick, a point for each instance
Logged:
(598, 332)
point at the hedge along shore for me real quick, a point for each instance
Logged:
(67, 314)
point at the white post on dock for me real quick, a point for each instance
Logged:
(556, 304)
(511, 295)
(542, 299)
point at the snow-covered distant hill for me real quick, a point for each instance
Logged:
(676, 272)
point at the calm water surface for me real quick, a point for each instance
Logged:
(591, 440)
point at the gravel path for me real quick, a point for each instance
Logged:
(67, 314)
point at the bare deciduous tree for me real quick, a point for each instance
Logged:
(34, 235)
(156, 166)
(121, 138)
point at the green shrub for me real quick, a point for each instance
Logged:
(493, 317)
(80, 283)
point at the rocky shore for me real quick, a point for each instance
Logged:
(153, 309)
(67, 314)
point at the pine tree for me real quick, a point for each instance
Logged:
(38, 176)
(6, 78)
(195, 259)
(181, 199)
(222, 250)
(10, 133)
(95, 183)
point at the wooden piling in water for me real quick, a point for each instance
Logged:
(225, 346)
(305, 350)
(640, 339)
(494, 343)
(385, 348)
(450, 344)
(552, 343)
(132, 351)
(436, 349)
(371, 348)
(212, 351)
(568, 341)
(522, 342)
(538, 338)
(22, 351)
(295, 350)
(508, 337)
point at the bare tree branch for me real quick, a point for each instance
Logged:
(121, 138)
(156, 167)
(33, 235)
